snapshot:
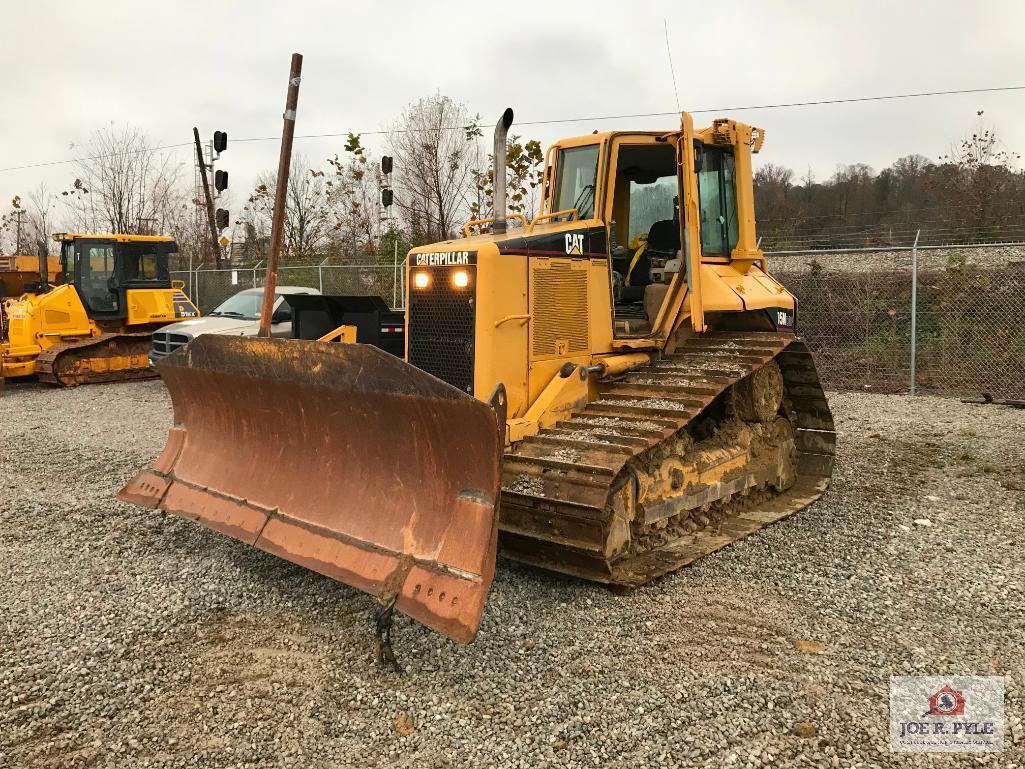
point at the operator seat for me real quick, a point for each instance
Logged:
(664, 238)
(663, 242)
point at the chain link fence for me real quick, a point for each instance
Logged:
(931, 319)
(209, 287)
(934, 319)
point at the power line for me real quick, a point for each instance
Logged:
(785, 104)
(553, 121)
(95, 157)
(702, 111)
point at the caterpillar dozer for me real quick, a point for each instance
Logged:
(606, 412)
(97, 325)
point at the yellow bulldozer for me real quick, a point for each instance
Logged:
(609, 412)
(97, 325)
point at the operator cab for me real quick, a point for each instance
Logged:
(104, 267)
(645, 227)
(640, 205)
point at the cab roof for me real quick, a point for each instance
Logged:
(599, 137)
(66, 236)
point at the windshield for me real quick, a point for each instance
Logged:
(245, 305)
(578, 169)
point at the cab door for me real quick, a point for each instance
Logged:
(96, 278)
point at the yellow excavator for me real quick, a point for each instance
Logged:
(96, 326)
(547, 408)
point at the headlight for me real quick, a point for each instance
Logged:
(461, 278)
(421, 279)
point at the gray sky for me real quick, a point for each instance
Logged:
(73, 66)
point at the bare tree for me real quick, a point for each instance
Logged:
(354, 195)
(41, 215)
(27, 226)
(436, 151)
(124, 184)
(982, 176)
(524, 170)
(308, 220)
(10, 225)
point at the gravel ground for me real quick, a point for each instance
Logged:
(131, 639)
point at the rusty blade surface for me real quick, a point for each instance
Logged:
(340, 458)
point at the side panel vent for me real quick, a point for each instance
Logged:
(559, 307)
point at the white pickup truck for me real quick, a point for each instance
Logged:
(237, 316)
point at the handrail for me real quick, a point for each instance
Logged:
(507, 318)
(479, 222)
(573, 213)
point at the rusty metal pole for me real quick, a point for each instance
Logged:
(277, 230)
(214, 244)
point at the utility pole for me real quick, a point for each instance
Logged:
(18, 214)
(216, 252)
(284, 163)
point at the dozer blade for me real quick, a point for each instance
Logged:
(340, 458)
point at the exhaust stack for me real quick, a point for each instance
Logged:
(44, 271)
(501, 132)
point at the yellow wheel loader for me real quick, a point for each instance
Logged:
(98, 324)
(547, 407)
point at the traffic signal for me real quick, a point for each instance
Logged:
(386, 164)
(220, 141)
(387, 196)
(221, 218)
(221, 181)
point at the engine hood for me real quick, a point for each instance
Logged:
(587, 238)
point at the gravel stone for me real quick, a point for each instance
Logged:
(134, 639)
(527, 484)
(563, 455)
(652, 403)
(614, 422)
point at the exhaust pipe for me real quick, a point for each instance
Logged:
(44, 270)
(501, 132)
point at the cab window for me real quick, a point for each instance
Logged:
(68, 261)
(144, 262)
(717, 193)
(577, 172)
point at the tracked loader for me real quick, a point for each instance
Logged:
(97, 325)
(606, 412)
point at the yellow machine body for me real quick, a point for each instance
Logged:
(613, 413)
(131, 297)
(542, 296)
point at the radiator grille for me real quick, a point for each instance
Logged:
(560, 312)
(441, 338)
(165, 343)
